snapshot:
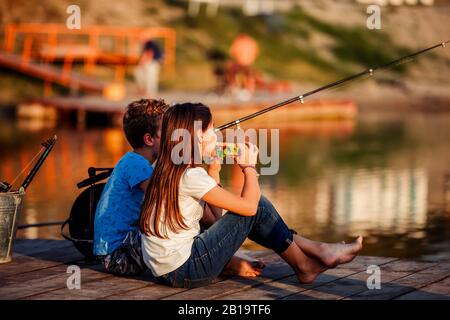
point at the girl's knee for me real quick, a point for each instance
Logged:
(265, 207)
(263, 201)
(263, 204)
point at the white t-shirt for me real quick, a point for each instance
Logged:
(165, 255)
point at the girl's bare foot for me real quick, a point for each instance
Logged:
(306, 268)
(243, 268)
(333, 254)
(309, 270)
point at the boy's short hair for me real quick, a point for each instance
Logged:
(141, 117)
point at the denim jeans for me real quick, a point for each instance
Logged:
(213, 248)
(127, 259)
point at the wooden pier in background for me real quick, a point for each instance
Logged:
(39, 271)
(34, 48)
(226, 108)
(51, 73)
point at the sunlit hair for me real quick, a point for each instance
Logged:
(141, 117)
(161, 197)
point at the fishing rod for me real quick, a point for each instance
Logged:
(48, 146)
(302, 97)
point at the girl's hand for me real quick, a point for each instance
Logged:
(214, 166)
(248, 155)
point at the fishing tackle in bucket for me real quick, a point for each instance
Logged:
(11, 200)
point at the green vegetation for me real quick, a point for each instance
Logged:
(284, 40)
(288, 43)
(356, 45)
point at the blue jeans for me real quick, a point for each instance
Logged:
(127, 259)
(213, 248)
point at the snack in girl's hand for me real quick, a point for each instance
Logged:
(227, 150)
(222, 151)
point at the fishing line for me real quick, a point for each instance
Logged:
(28, 165)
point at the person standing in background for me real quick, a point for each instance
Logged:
(147, 70)
(244, 51)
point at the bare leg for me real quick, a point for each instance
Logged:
(307, 269)
(330, 254)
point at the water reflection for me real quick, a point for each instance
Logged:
(386, 200)
(382, 178)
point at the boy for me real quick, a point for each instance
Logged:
(116, 237)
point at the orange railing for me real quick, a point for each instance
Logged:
(119, 46)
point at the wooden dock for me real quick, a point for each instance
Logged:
(39, 271)
(50, 73)
(337, 114)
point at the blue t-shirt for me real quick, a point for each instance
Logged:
(120, 204)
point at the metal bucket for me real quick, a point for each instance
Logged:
(10, 207)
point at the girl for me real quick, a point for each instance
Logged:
(174, 248)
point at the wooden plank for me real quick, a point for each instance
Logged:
(22, 264)
(342, 288)
(160, 291)
(36, 274)
(286, 286)
(339, 287)
(153, 291)
(39, 271)
(51, 73)
(406, 284)
(35, 246)
(290, 286)
(275, 269)
(46, 259)
(257, 254)
(62, 255)
(43, 273)
(436, 291)
(100, 288)
(362, 262)
(45, 280)
(407, 266)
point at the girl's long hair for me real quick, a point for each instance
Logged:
(161, 197)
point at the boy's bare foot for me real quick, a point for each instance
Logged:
(333, 254)
(243, 268)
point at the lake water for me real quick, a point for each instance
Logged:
(382, 176)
